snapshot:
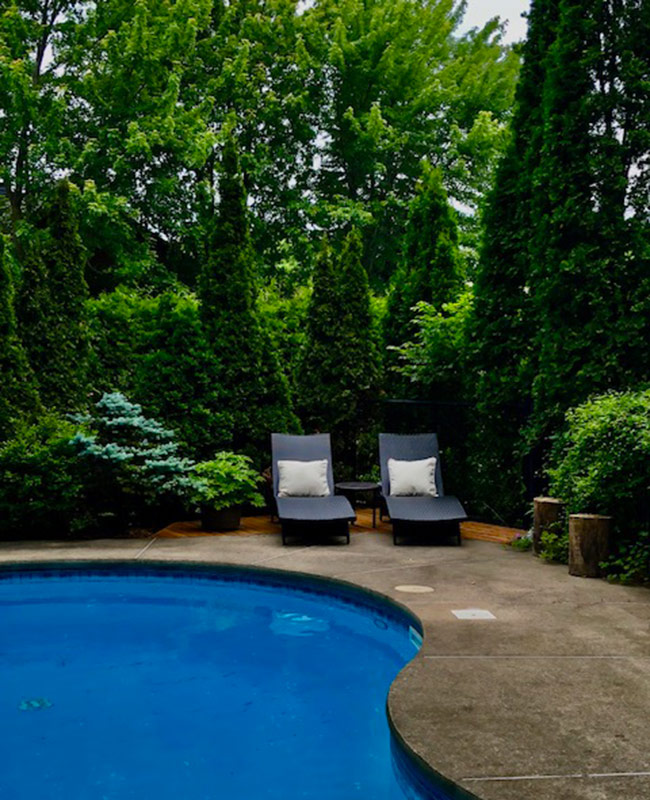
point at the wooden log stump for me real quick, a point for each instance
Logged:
(588, 544)
(548, 514)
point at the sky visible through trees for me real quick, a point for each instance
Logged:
(480, 11)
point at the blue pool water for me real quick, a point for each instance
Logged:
(117, 685)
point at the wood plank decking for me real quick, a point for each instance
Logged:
(251, 526)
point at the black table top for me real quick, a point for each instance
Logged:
(357, 486)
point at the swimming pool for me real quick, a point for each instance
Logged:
(119, 683)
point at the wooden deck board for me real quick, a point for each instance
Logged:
(251, 526)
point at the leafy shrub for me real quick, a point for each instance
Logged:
(601, 464)
(42, 489)
(631, 564)
(555, 545)
(228, 480)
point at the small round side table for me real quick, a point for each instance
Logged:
(352, 488)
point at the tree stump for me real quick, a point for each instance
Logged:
(549, 512)
(588, 544)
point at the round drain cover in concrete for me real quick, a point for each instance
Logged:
(413, 588)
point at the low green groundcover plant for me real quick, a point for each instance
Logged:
(521, 542)
(555, 545)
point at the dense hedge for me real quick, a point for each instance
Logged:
(601, 464)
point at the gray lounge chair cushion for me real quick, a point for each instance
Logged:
(425, 509)
(315, 509)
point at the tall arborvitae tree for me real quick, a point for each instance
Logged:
(589, 265)
(357, 345)
(502, 327)
(18, 394)
(255, 391)
(177, 378)
(339, 372)
(52, 305)
(431, 268)
(318, 374)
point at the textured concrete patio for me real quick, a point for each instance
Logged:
(549, 700)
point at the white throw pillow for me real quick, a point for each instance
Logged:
(412, 477)
(303, 479)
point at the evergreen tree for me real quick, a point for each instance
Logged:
(318, 375)
(255, 392)
(589, 265)
(357, 345)
(177, 378)
(502, 326)
(18, 394)
(340, 369)
(430, 269)
(52, 306)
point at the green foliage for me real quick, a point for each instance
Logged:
(589, 263)
(42, 482)
(119, 322)
(284, 317)
(339, 370)
(178, 377)
(18, 394)
(337, 104)
(437, 356)
(120, 252)
(601, 459)
(225, 481)
(133, 462)
(430, 270)
(631, 564)
(555, 546)
(51, 305)
(257, 400)
(521, 542)
(601, 464)
(399, 84)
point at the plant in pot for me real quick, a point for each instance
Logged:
(220, 488)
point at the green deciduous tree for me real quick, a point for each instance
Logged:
(52, 305)
(255, 392)
(18, 394)
(401, 85)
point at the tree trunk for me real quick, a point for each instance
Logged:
(549, 512)
(588, 544)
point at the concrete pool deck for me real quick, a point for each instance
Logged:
(548, 700)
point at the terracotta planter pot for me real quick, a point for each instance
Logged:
(223, 519)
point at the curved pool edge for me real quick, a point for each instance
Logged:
(410, 767)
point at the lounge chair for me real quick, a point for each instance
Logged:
(412, 515)
(309, 516)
